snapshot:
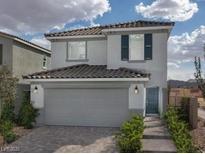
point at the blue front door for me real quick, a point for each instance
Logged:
(152, 100)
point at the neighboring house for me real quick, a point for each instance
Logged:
(102, 75)
(22, 57)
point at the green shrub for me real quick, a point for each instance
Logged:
(7, 113)
(6, 131)
(6, 126)
(9, 137)
(27, 114)
(179, 131)
(131, 133)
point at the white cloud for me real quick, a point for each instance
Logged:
(181, 74)
(174, 10)
(183, 48)
(170, 64)
(41, 41)
(30, 16)
(181, 52)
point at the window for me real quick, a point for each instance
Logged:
(1, 54)
(136, 47)
(77, 50)
(44, 61)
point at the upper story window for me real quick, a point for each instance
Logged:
(77, 50)
(1, 54)
(44, 62)
(136, 47)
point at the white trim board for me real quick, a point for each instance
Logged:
(88, 79)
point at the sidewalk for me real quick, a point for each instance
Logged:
(156, 138)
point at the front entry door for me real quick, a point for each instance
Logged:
(152, 100)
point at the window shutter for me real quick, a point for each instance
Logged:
(148, 46)
(124, 47)
(1, 54)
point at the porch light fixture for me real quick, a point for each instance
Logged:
(35, 89)
(136, 90)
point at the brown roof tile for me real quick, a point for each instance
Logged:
(98, 29)
(87, 71)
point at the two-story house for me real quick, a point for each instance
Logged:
(22, 57)
(102, 75)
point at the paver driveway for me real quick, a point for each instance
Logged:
(68, 139)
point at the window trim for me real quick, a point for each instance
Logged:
(137, 61)
(76, 60)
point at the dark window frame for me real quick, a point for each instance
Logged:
(1, 54)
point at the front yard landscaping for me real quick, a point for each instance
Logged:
(179, 130)
(13, 126)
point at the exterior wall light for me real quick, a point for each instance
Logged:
(136, 90)
(35, 89)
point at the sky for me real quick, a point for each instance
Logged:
(30, 19)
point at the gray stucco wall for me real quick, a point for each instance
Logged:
(27, 60)
(157, 67)
(7, 52)
(96, 53)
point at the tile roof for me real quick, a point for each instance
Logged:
(98, 29)
(24, 41)
(87, 71)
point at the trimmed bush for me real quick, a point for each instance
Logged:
(7, 113)
(179, 131)
(27, 114)
(6, 131)
(131, 133)
(9, 137)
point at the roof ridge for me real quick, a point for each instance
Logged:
(110, 25)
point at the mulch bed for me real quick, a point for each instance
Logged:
(198, 134)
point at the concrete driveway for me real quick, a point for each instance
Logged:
(68, 139)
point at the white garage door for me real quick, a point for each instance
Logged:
(86, 107)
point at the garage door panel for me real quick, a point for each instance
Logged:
(86, 107)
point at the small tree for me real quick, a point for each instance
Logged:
(7, 94)
(198, 74)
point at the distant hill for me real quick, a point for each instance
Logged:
(182, 84)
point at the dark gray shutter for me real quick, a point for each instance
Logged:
(148, 46)
(1, 54)
(125, 47)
